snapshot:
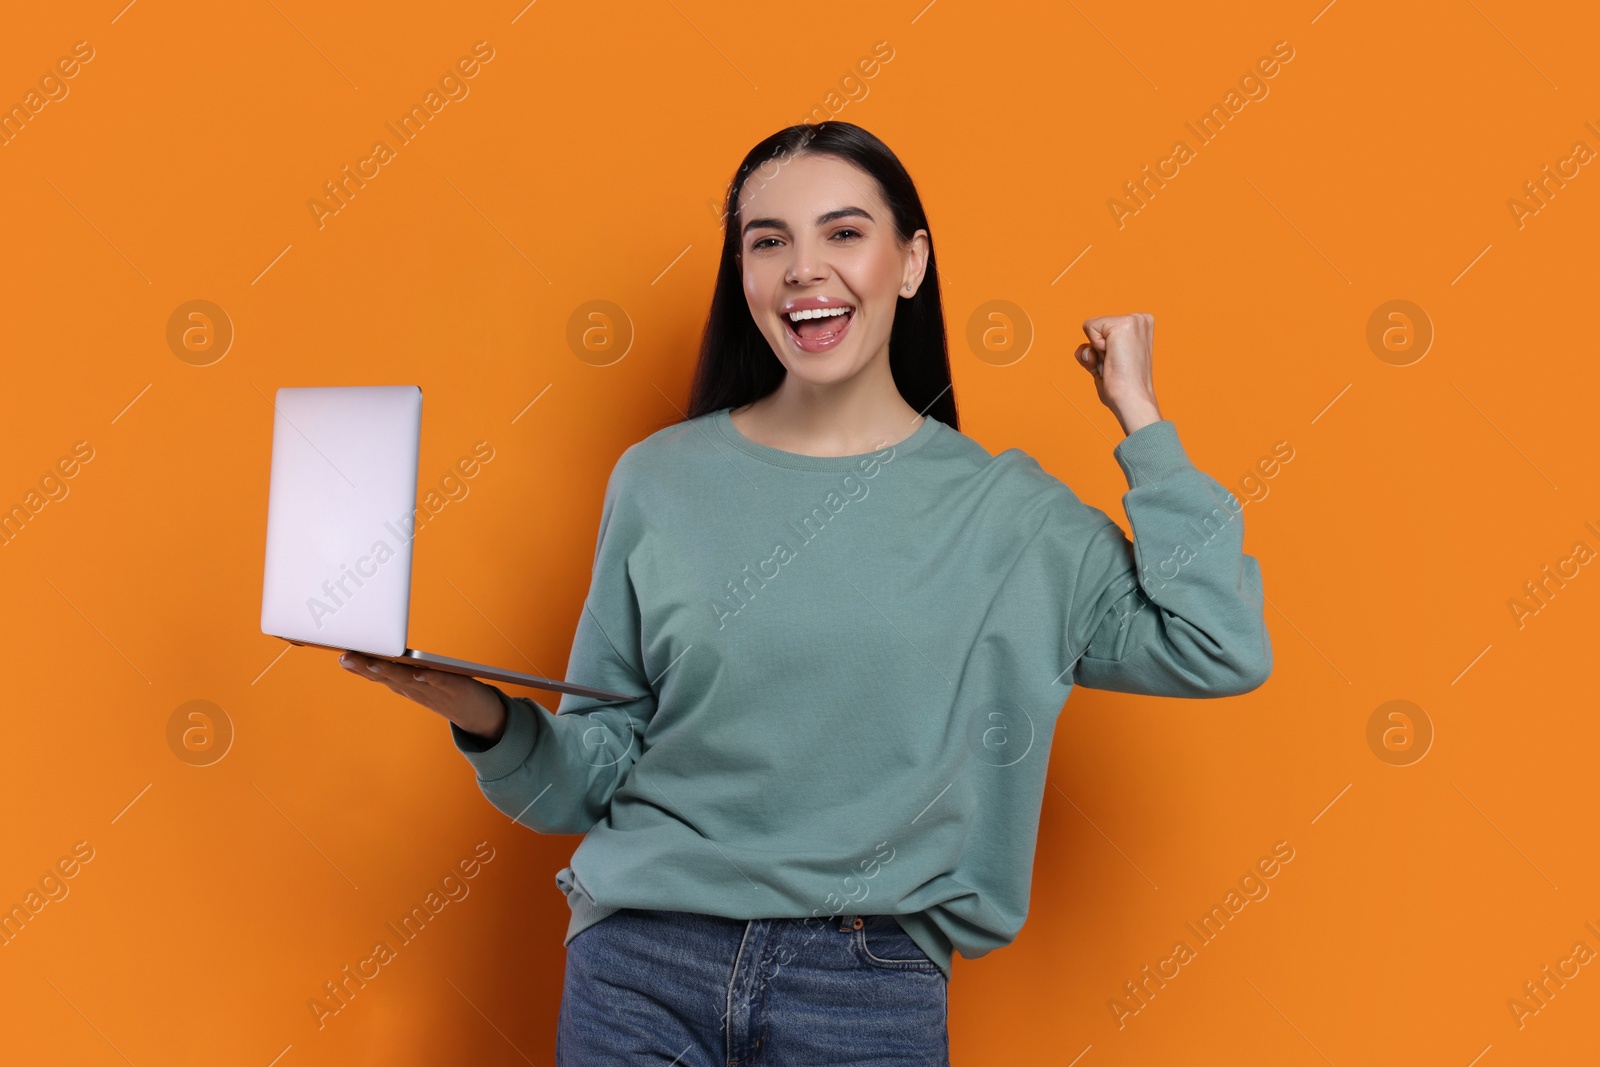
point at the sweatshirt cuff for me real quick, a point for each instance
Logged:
(499, 758)
(1150, 453)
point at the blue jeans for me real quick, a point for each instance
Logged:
(692, 990)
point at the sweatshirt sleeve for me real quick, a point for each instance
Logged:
(555, 774)
(1178, 611)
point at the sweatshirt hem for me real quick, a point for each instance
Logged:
(587, 912)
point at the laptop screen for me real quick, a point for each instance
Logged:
(341, 504)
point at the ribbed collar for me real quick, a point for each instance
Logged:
(723, 421)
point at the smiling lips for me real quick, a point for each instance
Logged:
(816, 324)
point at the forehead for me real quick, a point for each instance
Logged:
(800, 188)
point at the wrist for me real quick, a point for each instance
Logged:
(1136, 416)
(490, 723)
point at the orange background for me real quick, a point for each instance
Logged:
(584, 165)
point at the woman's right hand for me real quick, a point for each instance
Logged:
(467, 702)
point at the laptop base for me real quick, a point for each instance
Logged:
(411, 657)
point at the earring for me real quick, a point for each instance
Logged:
(908, 286)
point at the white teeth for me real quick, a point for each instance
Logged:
(816, 313)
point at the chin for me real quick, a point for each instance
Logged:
(811, 377)
(822, 369)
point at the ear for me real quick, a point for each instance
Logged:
(918, 260)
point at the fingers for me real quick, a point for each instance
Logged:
(1088, 359)
(365, 666)
(379, 670)
(1099, 327)
(1124, 342)
(406, 680)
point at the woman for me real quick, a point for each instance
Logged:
(846, 630)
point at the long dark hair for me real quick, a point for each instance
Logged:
(737, 364)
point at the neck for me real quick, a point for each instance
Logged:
(842, 419)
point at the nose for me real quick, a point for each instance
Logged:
(806, 263)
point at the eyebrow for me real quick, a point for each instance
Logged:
(822, 220)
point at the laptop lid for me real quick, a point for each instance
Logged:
(340, 513)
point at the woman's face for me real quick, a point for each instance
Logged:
(818, 232)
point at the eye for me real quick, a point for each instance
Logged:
(848, 232)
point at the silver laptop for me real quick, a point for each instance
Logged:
(340, 522)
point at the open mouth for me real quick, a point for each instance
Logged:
(813, 331)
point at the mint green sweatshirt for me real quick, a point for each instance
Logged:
(845, 672)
